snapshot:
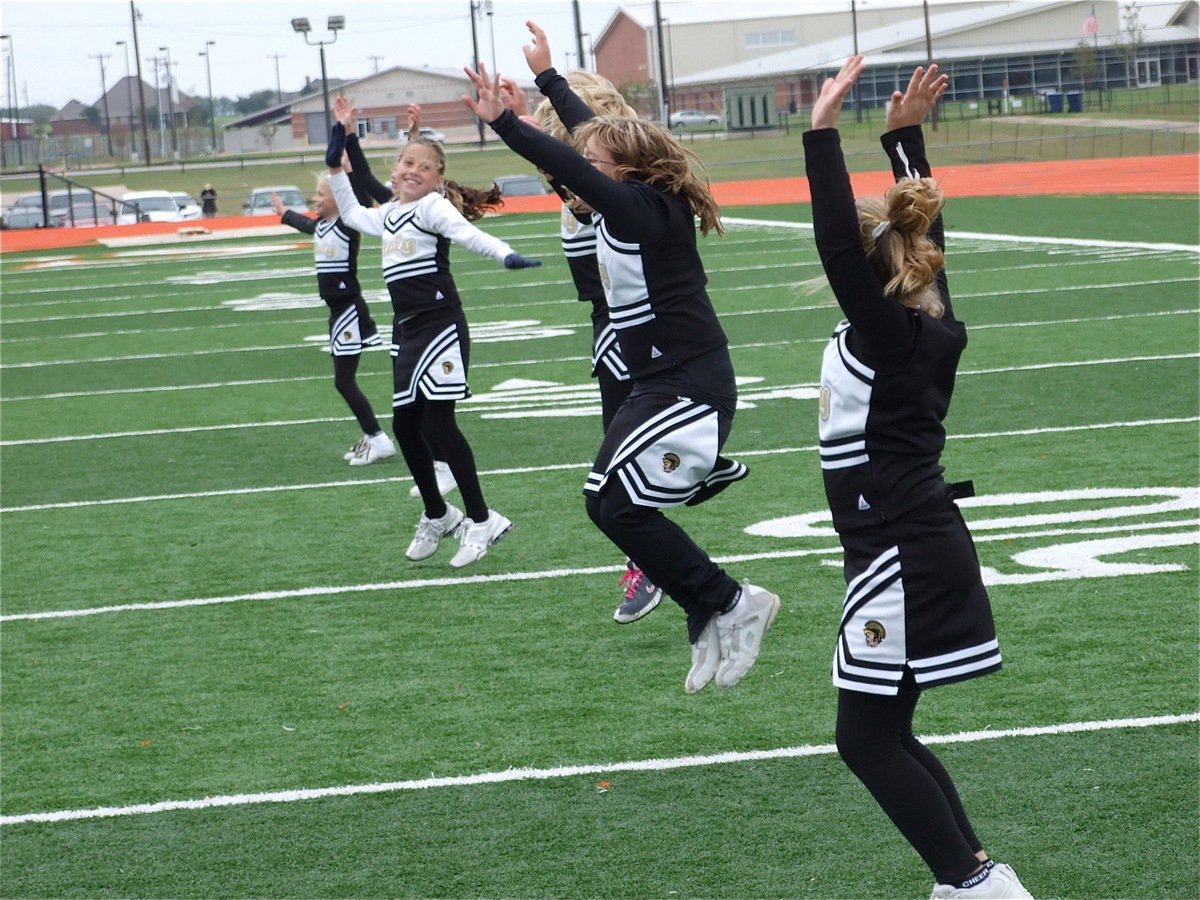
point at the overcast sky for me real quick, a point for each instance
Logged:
(55, 44)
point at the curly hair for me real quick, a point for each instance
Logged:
(596, 91)
(469, 201)
(895, 229)
(646, 151)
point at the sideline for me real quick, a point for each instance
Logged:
(1121, 175)
(591, 770)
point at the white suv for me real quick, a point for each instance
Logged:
(259, 201)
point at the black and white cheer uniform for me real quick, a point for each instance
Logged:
(915, 600)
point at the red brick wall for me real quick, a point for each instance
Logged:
(621, 56)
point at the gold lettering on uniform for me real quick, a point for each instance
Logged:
(823, 402)
(570, 224)
(604, 279)
(327, 250)
(408, 247)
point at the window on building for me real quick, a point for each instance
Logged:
(782, 38)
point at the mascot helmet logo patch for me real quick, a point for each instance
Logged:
(874, 632)
(670, 462)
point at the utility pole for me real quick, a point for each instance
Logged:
(13, 103)
(162, 134)
(579, 34)
(475, 61)
(129, 99)
(104, 101)
(375, 62)
(137, 55)
(278, 87)
(212, 112)
(171, 102)
(854, 28)
(933, 118)
(664, 101)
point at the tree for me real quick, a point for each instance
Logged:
(93, 116)
(251, 103)
(1087, 65)
(1130, 40)
(641, 95)
(267, 130)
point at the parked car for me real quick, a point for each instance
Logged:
(25, 212)
(84, 212)
(259, 201)
(151, 206)
(428, 133)
(188, 207)
(686, 117)
(521, 185)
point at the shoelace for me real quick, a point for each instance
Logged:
(360, 446)
(632, 579)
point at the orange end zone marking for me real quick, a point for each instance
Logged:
(1125, 175)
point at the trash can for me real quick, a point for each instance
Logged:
(1055, 102)
(1074, 101)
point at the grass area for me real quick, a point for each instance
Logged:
(202, 604)
(962, 137)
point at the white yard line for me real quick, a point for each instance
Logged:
(590, 770)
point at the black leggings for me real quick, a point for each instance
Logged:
(875, 739)
(345, 370)
(665, 552)
(612, 393)
(437, 416)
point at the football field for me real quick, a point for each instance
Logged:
(219, 676)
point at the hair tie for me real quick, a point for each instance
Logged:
(878, 230)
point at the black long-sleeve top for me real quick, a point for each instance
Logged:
(654, 279)
(888, 373)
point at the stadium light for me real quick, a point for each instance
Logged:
(334, 24)
(212, 117)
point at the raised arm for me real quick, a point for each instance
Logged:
(290, 217)
(631, 211)
(364, 183)
(904, 144)
(882, 323)
(353, 213)
(570, 108)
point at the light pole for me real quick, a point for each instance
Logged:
(14, 105)
(488, 10)
(171, 102)
(212, 117)
(475, 59)
(335, 24)
(129, 95)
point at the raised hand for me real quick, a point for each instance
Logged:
(336, 146)
(414, 120)
(925, 88)
(280, 209)
(344, 112)
(537, 51)
(489, 106)
(833, 92)
(512, 96)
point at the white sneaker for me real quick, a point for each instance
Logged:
(999, 881)
(741, 632)
(476, 537)
(706, 655)
(430, 533)
(445, 477)
(361, 445)
(378, 447)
